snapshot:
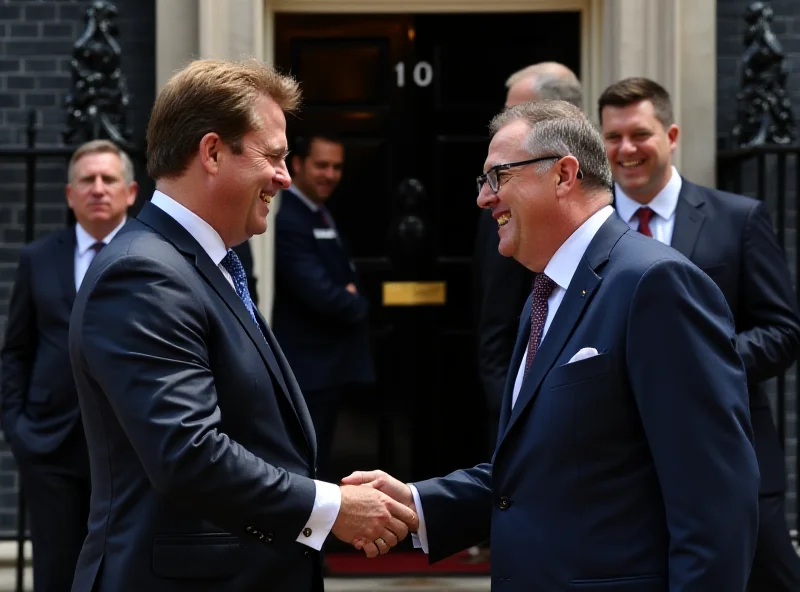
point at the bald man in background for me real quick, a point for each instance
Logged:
(501, 285)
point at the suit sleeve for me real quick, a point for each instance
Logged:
(769, 332)
(697, 424)
(303, 275)
(505, 283)
(19, 347)
(144, 338)
(457, 509)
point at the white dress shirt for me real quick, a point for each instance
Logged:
(84, 254)
(662, 224)
(560, 269)
(328, 497)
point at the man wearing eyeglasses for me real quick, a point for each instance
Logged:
(625, 459)
(501, 285)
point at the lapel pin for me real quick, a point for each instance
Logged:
(583, 293)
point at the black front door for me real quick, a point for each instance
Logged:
(411, 95)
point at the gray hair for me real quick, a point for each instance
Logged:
(561, 129)
(101, 147)
(550, 81)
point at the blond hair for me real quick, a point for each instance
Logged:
(210, 96)
(101, 147)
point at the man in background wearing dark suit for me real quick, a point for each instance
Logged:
(731, 238)
(201, 448)
(318, 315)
(40, 414)
(501, 283)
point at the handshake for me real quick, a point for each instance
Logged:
(377, 512)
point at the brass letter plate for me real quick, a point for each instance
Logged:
(414, 293)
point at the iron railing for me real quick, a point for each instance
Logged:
(771, 174)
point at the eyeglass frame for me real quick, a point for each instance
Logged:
(484, 177)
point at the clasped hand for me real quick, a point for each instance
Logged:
(377, 512)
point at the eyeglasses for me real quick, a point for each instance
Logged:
(493, 177)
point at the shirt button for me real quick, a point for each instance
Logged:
(306, 532)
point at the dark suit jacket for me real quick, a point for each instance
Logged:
(501, 287)
(731, 238)
(321, 326)
(632, 470)
(39, 402)
(200, 443)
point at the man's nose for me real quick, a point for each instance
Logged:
(98, 186)
(627, 147)
(282, 176)
(486, 197)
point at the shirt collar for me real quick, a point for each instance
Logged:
(302, 196)
(564, 262)
(663, 204)
(85, 240)
(200, 230)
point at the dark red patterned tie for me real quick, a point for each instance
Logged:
(542, 288)
(645, 215)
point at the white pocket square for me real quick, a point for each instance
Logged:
(586, 352)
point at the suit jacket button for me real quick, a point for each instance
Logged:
(504, 503)
(306, 554)
(249, 529)
(270, 537)
(306, 532)
(260, 536)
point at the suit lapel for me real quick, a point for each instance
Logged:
(688, 219)
(183, 241)
(581, 289)
(64, 258)
(295, 394)
(523, 335)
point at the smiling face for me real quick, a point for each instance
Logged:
(525, 205)
(98, 193)
(318, 174)
(243, 184)
(639, 148)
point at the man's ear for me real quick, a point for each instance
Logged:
(569, 173)
(210, 149)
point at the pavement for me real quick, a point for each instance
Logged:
(8, 553)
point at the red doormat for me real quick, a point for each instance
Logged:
(402, 563)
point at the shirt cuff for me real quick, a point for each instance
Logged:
(420, 539)
(327, 501)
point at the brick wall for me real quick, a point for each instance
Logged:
(730, 29)
(36, 38)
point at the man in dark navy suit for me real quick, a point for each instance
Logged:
(40, 414)
(730, 237)
(201, 449)
(318, 315)
(625, 460)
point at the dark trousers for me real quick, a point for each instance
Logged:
(56, 487)
(776, 567)
(323, 406)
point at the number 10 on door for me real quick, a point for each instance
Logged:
(422, 74)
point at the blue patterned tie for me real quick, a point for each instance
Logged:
(234, 267)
